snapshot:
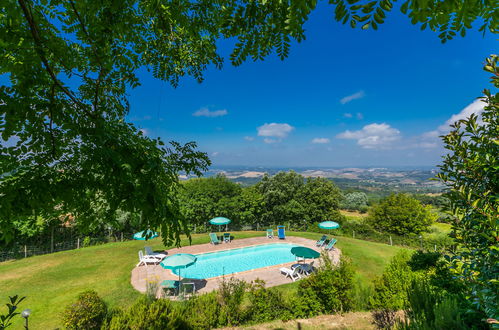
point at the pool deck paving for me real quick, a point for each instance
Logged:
(143, 275)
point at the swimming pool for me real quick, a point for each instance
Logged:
(238, 260)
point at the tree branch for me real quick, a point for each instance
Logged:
(39, 49)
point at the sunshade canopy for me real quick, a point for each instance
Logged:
(304, 252)
(329, 225)
(220, 221)
(141, 235)
(178, 260)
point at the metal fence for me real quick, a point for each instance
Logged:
(23, 251)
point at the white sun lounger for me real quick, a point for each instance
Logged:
(294, 274)
(146, 259)
(157, 255)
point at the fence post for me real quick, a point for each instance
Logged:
(353, 233)
(25, 251)
(391, 242)
(122, 236)
(78, 243)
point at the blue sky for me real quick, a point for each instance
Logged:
(344, 97)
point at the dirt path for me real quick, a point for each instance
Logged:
(356, 320)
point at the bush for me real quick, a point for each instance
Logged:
(429, 308)
(144, 314)
(87, 241)
(87, 312)
(230, 298)
(203, 311)
(390, 290)
(266, 304)
(330, 289)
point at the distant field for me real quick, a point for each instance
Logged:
(52, 281)
(353, 214)
(442, 227)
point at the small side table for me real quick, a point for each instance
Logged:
(168, 285)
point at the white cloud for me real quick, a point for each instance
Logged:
(347, 115)
(249, 138)
(359, 116)
(268, 140)
(431, 139)
(145, 131)
(373, 136)
(275, 130)
(476, 107)
(215, 154)
(205, 112)
(320, 140)
(354, 96)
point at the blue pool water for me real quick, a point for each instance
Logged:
(238, 260)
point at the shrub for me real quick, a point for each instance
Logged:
(87, 241)
(144, 314)
(390, 289)
(203, 311)
(230, 298)
(330, 289)
(87, 312)
(361, 295)
(266, 304)
(423, 260)
(430, 308)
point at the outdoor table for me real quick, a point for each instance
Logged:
(170, 284)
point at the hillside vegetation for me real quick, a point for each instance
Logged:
(52, 281)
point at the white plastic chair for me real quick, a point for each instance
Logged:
(151, 253)
(145, 259)
(294, 274)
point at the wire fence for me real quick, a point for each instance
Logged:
(19, 251)
(442, 243)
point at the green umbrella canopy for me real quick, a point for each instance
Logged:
(329, 225)
(141, 235)
(220, 221)
(304, 252)
(178, 260)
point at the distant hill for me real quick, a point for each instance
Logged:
(375, 179)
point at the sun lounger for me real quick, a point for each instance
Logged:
(214, 239)
(226, 237)
(293, 274)
(331, 244)
(281, 232)
(270, 233)
(157, 255)
(146, 259)
(321, 242)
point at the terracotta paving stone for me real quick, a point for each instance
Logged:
(271, 275)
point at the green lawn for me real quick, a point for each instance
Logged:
(52, 281)
(442, 227)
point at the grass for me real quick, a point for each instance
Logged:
(441, 227)
(355, 215)
(52, 281)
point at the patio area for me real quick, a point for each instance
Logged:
(155, 273)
